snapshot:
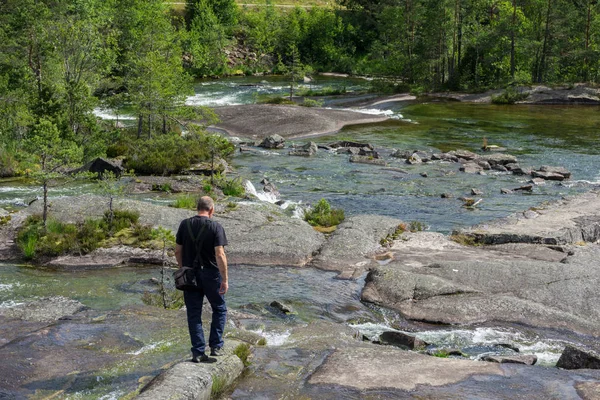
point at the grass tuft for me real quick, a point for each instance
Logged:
(243, 352)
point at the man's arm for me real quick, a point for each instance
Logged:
(222, 264)
(179, 255)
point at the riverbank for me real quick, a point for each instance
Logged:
(427, 277)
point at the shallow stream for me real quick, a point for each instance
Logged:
(549, 135)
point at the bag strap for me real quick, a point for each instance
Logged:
(196, 238)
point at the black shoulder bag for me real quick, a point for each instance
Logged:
(185, 277)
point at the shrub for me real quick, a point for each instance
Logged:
(326, 91)
(509, 96)
(8, 163)
(187, 201)
(311, 103)
(232, 187)
(121, 219)
(171, 153)
(386, 86)
(276, 100)
(323, 215)
(90, 234)
(389, 239)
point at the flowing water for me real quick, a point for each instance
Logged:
(549, 135)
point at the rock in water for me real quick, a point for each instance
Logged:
(367, 160)
(575, 358)
(273, 142)
(476, 192)
(309, 149)
(282, 307)
(556, 170)
(402, 340)
(471, 168)
(549, 176)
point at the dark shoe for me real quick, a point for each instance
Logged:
(200, 358)
(217, 352)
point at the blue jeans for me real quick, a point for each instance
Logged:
(209, 283)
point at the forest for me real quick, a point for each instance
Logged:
(61, 59)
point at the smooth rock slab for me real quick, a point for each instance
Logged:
(44, 310)
(190, 381)
(366, 368)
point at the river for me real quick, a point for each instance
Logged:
(537, 135)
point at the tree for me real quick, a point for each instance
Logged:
(53, 154)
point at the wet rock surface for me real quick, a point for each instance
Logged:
(187, 380)
(348, 247)
(571, 220)
(437, 280)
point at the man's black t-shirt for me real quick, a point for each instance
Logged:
(212, 236)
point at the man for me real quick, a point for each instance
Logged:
(200, 244)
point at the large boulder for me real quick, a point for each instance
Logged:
(549, 176)
(556, 170)
(307, 150)
(101, 166)
(576, 358)
(471, 168)
(367, 160)
(273, 142)
(499, 159)
(464, 154)
(401, 340)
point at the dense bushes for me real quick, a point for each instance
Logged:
(509, 96)
(59, 238)
(323, 215)
(8, 164)
(170, 153)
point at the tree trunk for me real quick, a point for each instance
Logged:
(512, 40)
(587, 41)
(45, 211)
(140, 125)
(542, 64)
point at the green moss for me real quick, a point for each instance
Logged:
(262, 342)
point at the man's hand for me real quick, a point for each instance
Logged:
(224, 287)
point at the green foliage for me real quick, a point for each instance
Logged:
(219, 384)
(276, 100)
(187, 201)
(262, 342)
(464, 239)
(325, 91)
(174, 300)
(323, 215)
(387, 86)
(509, 96)
(243, 351)
(120, 219)
(8, 163)
(232, 187)
(311, 103)
(417, 226)
(441, 353)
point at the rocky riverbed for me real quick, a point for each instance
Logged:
(536, 273)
